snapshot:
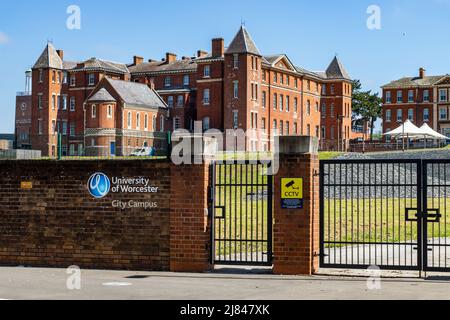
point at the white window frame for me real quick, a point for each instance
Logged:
(411, 114)
(235, 119)
(399, 115)
(388, 97)
(388, 115)
(73, 80)
(236, 89)
(91, 79)
(170, 101)
(94, 111)
(146, 122)
(138, 121)
(176, 123)
(426, 97)
(443, 95)
(426, 115)
(73, 104)
(167, 81)
(186, 80)
(411, 96)
(236, 61)
(129, 121)
(206, 97)
(207, 71)
(206, 122)
(399, 96)
(441, 113)
(180, 101)
(109, 111)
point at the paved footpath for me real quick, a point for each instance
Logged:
(27, 283)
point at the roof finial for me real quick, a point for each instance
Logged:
(242, 23)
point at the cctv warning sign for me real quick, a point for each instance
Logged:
(292, 193)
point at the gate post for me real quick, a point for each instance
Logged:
(190, 221)
(296, 230)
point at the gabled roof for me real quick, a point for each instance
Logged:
(243, 43)
(137, 94)
(273, 60)
(162, 66)
(102, 95)
(336, 70)
(409, 82)
(98, 64)
(49, 59)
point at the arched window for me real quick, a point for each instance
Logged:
(94, 111)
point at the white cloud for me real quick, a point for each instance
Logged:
(3, 38)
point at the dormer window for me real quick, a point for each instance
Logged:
(207, 72)
(91, 79)
(235, 61)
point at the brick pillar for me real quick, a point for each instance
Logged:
(296, 231)
(190, 233)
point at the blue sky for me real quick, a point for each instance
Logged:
(413, 33)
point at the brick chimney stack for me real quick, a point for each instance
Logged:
(218, 47)
(171, 57)
(60, 54)
(422, 73)
(137, 60)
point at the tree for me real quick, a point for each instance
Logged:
(367, 106)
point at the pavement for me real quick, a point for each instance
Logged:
(222, 284)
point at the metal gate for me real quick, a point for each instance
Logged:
(386, 213)
(241, 200)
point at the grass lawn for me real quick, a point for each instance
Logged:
(329, 155)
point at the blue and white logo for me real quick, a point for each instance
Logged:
(99, 185)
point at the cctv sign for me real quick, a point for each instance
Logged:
(292, 193)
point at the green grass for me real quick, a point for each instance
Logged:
(329, 155)
(379, 220)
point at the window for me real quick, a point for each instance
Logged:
(295, 105)
(64, 128)
(264, 99)
(72, 81)
(332, 132)
(91, 79)
(235, 61)
(426, 95)
(41, 75)
(399, 115)
(288, 102)
(65, 77)
(206, 97)
(281, 79)
(274, 127)
(154, 124)
(186, 80)
(59, 77)
(281, 127)
(426, 114)
(332, 89)
(263, 124)
(411, 114)
(443, 114)
(138, 121)
(323, 134)
(39, 126)
(317, 106)
(170, 101)
(411, 96)
(180, 101)
(146, 122)
(53, 102)
(287, 128)
(308, 108)
(205, 123)
(64, 102)
(317, 131)
(53, 126)
(296, 83)
(109, 111)
(281, 102)
(80, 149)
(129, 120)
(388, 137)
(275, 77)
(167, 81)
(72, 149)
(288, 80)
(324, 110)
(332, 110)
(235, 119)
(388, 115)
(275, 101)
(72, 103)
(443, 95)
(399, 96)
(94, 111)
(324, 89)
(308, 130)
(264, 76)
(176, 123)
(161, 124)
(53, 76)
(308, 85)
(72, 129)
(207, 71)
(40, 100)
(295, 128)
(236, 89)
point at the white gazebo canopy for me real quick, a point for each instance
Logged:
(432, 133)
(408, 130)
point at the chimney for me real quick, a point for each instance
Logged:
(171, 57)
(137, 60)
(218, 47)
(422, 73)
(60, 54)
(201, 54)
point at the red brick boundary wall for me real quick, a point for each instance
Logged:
(296, 232)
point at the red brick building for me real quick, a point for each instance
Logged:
(229, 88)
(421, 99)
(23, 115)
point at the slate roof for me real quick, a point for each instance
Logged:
(163, 66)
(243, 43)
(49, 58)
(336, 70)
(102, 95)
(414, 82)
(98, 64)
(137, 94)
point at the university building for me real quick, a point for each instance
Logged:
(420, 99)
(108, 108)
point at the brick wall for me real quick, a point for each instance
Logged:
(58, 223)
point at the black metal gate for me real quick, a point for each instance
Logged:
(386, 213)
(241, 200)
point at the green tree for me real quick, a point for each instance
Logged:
(367, 106)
